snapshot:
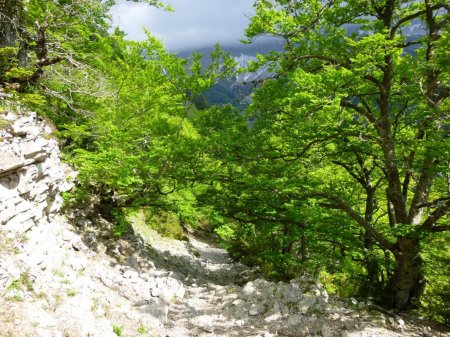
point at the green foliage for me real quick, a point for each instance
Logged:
(49, 48)
(135, 124)
(7, 62)
(121, 225)
(437, 294)
(142, 330)
(139, 148)
(24, 281)
(226, 232)
(4, 123)
(166, 223)
(122, 107)
(338, 167)
(18, 74)
(345, 149)
(118, 330)
(7, 55)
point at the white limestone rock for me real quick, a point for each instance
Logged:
(27, 126)
(5, 191)
(31, 174)
(292, 294)
(157, 309)
(326, 331)
(35, 149)
(11, 157)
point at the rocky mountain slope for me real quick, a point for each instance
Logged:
(69, 276)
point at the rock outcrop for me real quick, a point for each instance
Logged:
(31, 173)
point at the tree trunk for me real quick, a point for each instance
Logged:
(407, 283)
(373, 284)
(8, 22)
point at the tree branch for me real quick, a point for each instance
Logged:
(322, 58)
(438, 229)
(350, 171)
(340, 204)
(416, 15)
(429, 223)
(365, 113)
(373, 79)
(434, 202)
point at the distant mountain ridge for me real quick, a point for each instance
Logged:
(257, 47)
(237, 90)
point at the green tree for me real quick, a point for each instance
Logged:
(39, 35)
(353, 121)
(138, 148)
(114, 101)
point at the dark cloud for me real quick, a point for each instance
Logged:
(193, 24)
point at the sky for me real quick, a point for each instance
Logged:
(193, 24)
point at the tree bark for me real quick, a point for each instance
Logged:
(8, 22)
(407, 283)
(373, 269)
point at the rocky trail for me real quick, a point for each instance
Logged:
(70, 277)
(60, 279)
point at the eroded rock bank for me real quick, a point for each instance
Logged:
(32, 175)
